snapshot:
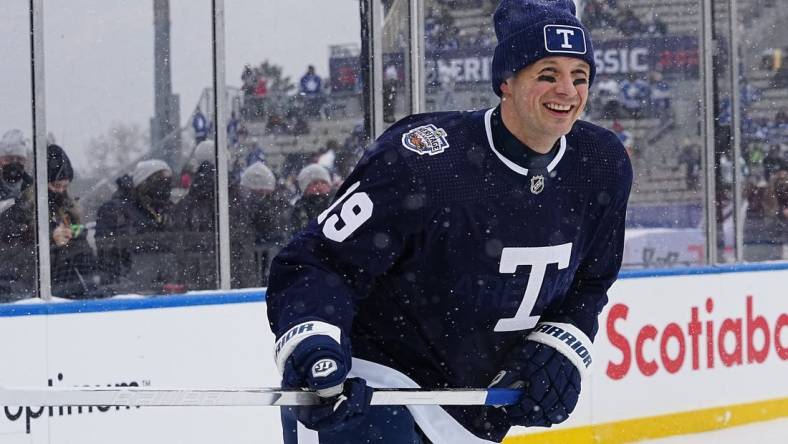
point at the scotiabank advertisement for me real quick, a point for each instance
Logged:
(682, 343)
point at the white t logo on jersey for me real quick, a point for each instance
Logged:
(538, 258)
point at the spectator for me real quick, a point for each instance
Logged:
(629, 24)
(310, 82)
(607, 97)
(655, 26)
(774, 162)
(625, 137)
(781, 77)
(200, 126)
(757, 195)
(598, 15)
(781, 118)
(765, 239)
(661, 100)
(351, 151)
(295, 124)
(314, 181)
(780, 186)
(233, 131)
(195, 221)
(260, 213)
(689, 156)
(185, 178)
(327, 156)
(132, 233)
(248, 81)
(73, 263)
(312, 93)
(257, 187)
(390, 84)
(17, 219)
(256, 154)
(125, 187)
(260, 86)
(635, 93)
(196, 211)
(15, 180)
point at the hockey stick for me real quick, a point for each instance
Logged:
(180, 397)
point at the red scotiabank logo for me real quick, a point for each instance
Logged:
(700, 342)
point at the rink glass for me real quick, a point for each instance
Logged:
(18, 264)
(122, 87)
(269, 47)
(711, 174)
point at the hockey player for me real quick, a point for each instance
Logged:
(466, 249)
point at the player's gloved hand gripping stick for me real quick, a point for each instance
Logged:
(547, 367)
(316, 355)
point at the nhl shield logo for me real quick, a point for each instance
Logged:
(537, 184)
(427, 139)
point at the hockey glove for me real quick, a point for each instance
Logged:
(547, 367)
(313, 355)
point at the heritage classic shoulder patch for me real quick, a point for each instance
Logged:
(427, 139)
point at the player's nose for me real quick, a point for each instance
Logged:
(565, 86)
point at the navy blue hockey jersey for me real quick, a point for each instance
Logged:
(439, 255)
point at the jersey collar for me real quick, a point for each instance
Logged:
(511, 165)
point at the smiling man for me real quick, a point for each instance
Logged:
(466, 249)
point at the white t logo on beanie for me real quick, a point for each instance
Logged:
(566, 33)
(564, 39)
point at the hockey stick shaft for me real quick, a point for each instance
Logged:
(137, 397)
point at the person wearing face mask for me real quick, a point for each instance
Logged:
(314, 181)
(259, 212)
(73, 262)
(17, 219)
(133, 238)
(16, 188)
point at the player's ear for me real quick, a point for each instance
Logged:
(505, 89)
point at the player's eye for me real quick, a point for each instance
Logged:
(544, 78)
(580, 82)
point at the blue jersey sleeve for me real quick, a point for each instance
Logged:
(339, 257)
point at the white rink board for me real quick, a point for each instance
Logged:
(199, 346)
(229, 345)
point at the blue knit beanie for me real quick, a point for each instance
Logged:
(529, 30)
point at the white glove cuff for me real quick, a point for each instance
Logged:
(286, 343)
(569, 340)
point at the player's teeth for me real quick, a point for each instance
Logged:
(559, 107)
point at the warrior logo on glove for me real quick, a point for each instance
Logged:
(323, 368)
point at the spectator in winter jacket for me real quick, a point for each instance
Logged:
(315, 184)
(200, 126)
(73, 263)
(195, 223)
(310, 82)
(133, 233)
(17, 220)
(259, 212)
(197, 210)
(311, 91)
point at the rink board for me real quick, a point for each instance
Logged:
(653, 373)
